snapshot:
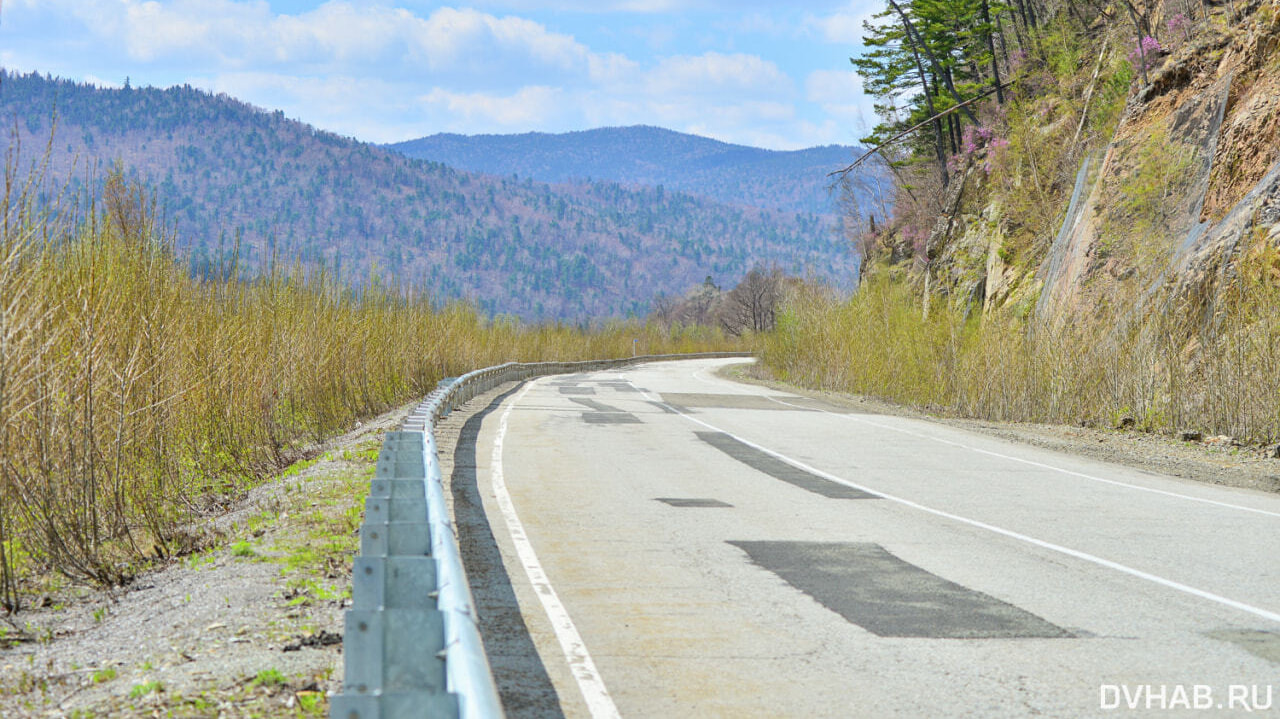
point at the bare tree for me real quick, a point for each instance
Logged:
(752, 305)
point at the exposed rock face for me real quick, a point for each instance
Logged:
(1249, 143)
(1188, 183)
(1211, 117)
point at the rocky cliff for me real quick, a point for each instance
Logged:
(1159, 202)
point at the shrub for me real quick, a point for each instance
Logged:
(135, 397)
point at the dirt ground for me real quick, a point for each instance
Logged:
(252, 626)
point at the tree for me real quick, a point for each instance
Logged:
(752, 305)
(886, 69)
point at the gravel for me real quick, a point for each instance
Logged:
(244, 628)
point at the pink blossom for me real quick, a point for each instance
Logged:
(1149, 47)
(973, 139)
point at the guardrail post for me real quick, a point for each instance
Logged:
(394, 645)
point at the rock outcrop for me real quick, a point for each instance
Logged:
(1188, 183)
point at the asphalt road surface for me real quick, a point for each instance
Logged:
(662, 542)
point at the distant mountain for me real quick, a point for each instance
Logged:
(222, 169)
(793, 181)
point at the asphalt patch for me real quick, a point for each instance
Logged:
(693, 502)
(602, 413)
(610, 418)
(596, 406)
(664, 407)
(577, 390)
(889, 597)
(778, 469)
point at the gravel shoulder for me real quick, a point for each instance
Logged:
(1212, 461)
(249, 626)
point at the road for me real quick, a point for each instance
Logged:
(664, 542)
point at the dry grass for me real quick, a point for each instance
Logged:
(135, 399)
(1169, 367)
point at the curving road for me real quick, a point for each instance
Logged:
(663, 542)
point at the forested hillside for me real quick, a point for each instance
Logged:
(795, 181)
(223, 170)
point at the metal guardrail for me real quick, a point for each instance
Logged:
(412, 647)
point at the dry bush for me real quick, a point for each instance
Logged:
(1159, 365)
(135, 398)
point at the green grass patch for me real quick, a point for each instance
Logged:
(141, 690)
(269, 678)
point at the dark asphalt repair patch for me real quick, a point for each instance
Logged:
(595, 406)
(620, 386)
(889, 597)
(610, 418)
(778, 469)
(692, 502)
(602, 413)
(577, 390)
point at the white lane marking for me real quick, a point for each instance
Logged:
(599, 703)
(1033, 463)
(1226, 601)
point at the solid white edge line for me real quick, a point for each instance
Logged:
(1033, 463)
(599, 703)
(1169, 583)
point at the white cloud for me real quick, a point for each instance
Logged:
(830, 85)
(839, 94)
(338, 35)
(479, 112)
(626, 6)
(713, 71)
(95, 80)
(845, 26)
(386, 70)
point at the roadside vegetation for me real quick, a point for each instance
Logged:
(1165, 374)
(137, 399)
(249, 626)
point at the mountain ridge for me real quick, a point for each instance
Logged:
(221, 168)
(650, 156)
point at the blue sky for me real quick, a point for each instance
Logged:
(767, 74)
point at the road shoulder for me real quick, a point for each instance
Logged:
(1221, 463)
